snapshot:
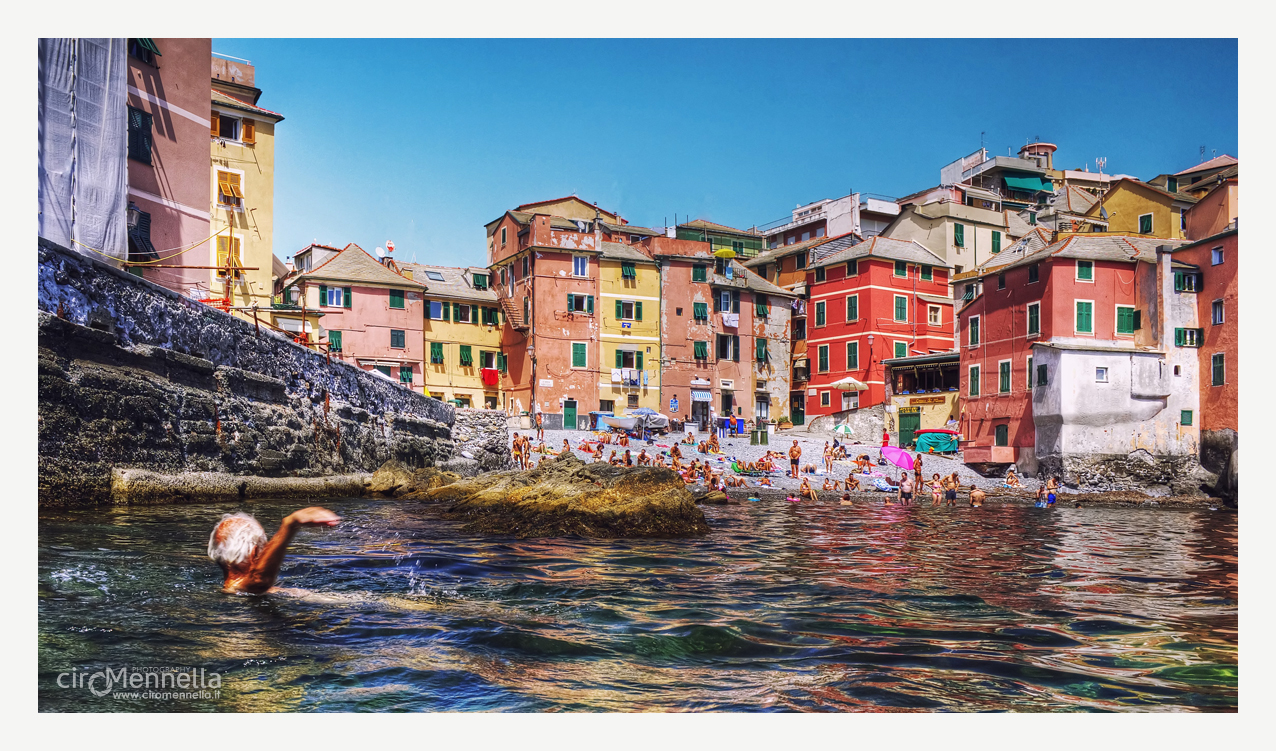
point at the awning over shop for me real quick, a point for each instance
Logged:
(1028, 183)
(292, 325)
(701, 396)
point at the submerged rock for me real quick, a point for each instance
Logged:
(395, 478)
(564, 496)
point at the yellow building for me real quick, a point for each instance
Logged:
(629, 287)
(1136, 208)
(462, 334)
(242, 196)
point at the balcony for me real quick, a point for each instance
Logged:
(801, 375)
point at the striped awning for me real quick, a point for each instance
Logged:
(701, 396)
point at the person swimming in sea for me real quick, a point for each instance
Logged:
(249, 561)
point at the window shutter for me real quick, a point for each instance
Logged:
(761, 343)
(347, 297)
(323, 289)
(569, 302)
(216, 125)
(425, 305)
(996, 241)
(474, 314)
(638, 360)
(589, 305)
(1178, 337)
(638, 310)
(446, 309)
(735, 347)
(620, 359)
(717, 303)
(735, 302)
(959, 235)
(456, 312)
(501, 363)
(250, 131)
(1138, 320)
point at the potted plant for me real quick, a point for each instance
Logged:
(784, 423)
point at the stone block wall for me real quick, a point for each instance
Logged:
(481, 438)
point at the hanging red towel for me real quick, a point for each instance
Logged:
(491, 376)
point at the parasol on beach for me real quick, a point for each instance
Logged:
(897, 456)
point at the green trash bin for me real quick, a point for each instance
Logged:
(758, 438)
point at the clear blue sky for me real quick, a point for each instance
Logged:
(423, 142)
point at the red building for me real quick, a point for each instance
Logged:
(870, 301)
(1077, 332)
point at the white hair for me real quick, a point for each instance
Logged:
(240, 535)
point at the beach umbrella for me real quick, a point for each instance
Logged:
(897, 456)
(643, 411)
(849, 384)
(724, 253)
(844, 430)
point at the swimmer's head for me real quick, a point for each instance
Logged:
(234, 540)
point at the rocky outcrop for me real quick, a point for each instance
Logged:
(396, 479)
(482, 440)
(564, 496)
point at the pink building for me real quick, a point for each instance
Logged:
(370, 315)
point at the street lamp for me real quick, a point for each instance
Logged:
(133, 214)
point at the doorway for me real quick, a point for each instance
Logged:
(569, 414)
(797, 399)
(700, 415)
(909, 422)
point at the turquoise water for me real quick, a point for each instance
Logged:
(807, 607)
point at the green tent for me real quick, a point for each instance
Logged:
(943, 443)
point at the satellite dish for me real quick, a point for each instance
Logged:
(380, 252)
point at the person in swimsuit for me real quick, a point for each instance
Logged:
(936, 489)
(1052, 486)
(629, 458)
(567, 449)
(248, 560)
(517, 448)
(976, 497)
(806, 491)
(795, 455)
(852, 482)
(828, 459)
(905, 489)
(540, 426)
(950, 489)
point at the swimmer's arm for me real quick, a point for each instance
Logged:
(265, 568)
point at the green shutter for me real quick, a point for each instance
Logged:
(425, 305)
(996, 241)
(901, 308)
(824, 358)
(446, 307)
(569, 302)
(436, 352)
(959, 235)
(1029, 372)
(901, 349)
(589, 305)
(1185, 418)
(701, 350)
(701, 310)
(974, 330)
(819, 313)
(928, 272)
(698, 273)
(1034, 319)
(1218, 370)
(347, 297)
(638, 360)
(334, 341)
(456, 312)
(620, 310)
(620, 358)
(735, 347)
(396, 298)
(901, 268)
(1085, 314)
(761, 349)
(1085, 270)
(1004, 374)
(974, 381)
(853, 308)
(1145, 225)
(1125, 320)
(323, 294)
(467, 357)
(638, 310)
(852, 356)
(1041, 374)
(579, 350)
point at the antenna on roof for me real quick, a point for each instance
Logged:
(380, 252)
(1202, 152)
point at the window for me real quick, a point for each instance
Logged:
(974, 380)
(1001, 280)
(579, 353)
(228, 254)
(901, 349)
(761, 349)
(1185, 418)
(901, 268)
(139, 135)
(699, 273)
(819, 313)
(853, 267)
(1216, 256)
(527, 266)
(820, 274)
(1145, 224)
(1085, 271)
(853, 308)
(701, 350)
(466, 356)
(628, 270)
(724, 301)
(501, 363)
(1216, 312)
(1125, 319)
(396, 299)
(225, 126)
(1218, 370)
(1001, 435)
(974, 330)
(1041, 374)
(934, 315)
(1034, 318)
(806, 236)
(334, 341)
(580, 266)
(1189, 337)
(139, 240)
(580, 303)
(1034, 274)
(1030, 371)
(487, 360)
(628, 358)
(631, 401)
(928, 273)
(143, 49)
(1085, 317)
(463, 313)
(1172, 184)
(819, 232)
(434, 276)
(229, 191)
(503, 230)
(823, 360)
(527, 311)
(700, 310)
(436, 353)
(490, 317)
(383, 368)
(629, 310)
(852, 355)
(480, 281)
(901, 308)
(1186, 281)
(1100, 375)
(397, 339)
(606, 405)
(959, 235)
(996, 241)
(1032, 218)
(800, 260)
(331, 297)
(824, 398)
(799, 329)
(729, 347)
(760, 307)
(434, 310)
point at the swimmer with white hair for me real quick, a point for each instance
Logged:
(250, 561)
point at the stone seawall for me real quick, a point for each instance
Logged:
(482, 442)
(134, 376)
